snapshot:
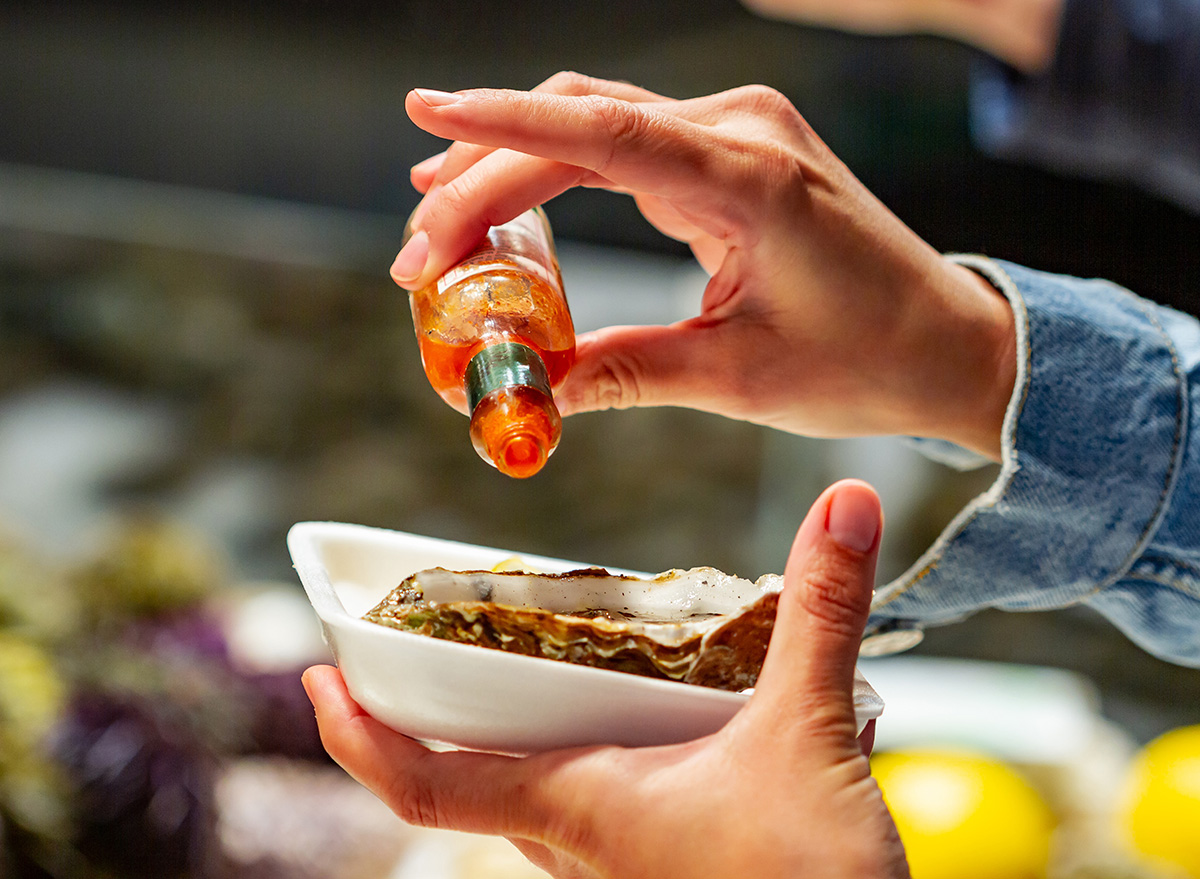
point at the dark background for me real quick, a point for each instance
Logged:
(303, 101)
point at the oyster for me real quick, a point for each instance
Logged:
(699, 626)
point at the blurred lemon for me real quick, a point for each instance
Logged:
(962, 814)
(514, 563)
(1162, 804)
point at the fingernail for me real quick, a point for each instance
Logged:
(435, 98)
(853, 518)
(410, 261)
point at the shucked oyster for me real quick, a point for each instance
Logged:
(698, 626)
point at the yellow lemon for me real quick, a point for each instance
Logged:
(965, 815)
(513, 563)
(1162, 805)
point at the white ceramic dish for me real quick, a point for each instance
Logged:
(463, 696)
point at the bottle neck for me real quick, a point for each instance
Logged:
(504, 365)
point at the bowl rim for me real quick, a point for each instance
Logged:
(305, 540)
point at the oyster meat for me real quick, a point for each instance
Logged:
(699, 626)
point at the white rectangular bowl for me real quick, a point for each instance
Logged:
(463, 696)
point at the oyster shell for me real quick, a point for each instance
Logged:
(699, 626)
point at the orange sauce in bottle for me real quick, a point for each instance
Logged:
(496, 340)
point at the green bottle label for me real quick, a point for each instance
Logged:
(504, 365)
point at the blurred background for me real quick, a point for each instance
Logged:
(199, 346)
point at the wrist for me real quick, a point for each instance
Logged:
(993, 386)
(967, 363)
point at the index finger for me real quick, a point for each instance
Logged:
(568, 141)
(461, 155)
(458, 790)
(623, 141)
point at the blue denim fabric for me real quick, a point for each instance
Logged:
(1098, 497)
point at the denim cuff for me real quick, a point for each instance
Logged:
(1092, 444)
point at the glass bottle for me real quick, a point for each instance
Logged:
(496, 341)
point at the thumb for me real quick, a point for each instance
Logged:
(625, 366)
(809, 669)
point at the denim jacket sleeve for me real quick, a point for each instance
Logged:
(1098, 497)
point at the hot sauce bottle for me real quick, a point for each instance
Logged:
(496, 341)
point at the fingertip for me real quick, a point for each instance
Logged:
(422, 208)
(427, 168)
(848, 514)
(314, 676)
(359, 743)
(435, 97)
(326, 689)
(854, 515)
(420, 100)
(830, 577)
(410, 261)
(424, 180)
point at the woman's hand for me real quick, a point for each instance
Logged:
(824, 315)
(782, 790)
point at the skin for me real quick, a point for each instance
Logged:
(1021, 32)
(783, 790)
(825, 315)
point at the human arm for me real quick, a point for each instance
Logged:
(1096, 88)
(824, 315)
(782, 790)
(1097, 497)
(1020, 32)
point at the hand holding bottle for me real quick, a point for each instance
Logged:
(824, 315)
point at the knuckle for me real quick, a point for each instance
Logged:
(784, 174)
(830, 596)
(450, 201)
(575, 834)
(414, 802)
(617, 386)
(764, 100)
(568, 82)
(563, 814)
(620, 119)
(781, 122)
(769, 176)
(459, 212)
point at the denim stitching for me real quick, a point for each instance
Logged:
(935, 554)
(1172, 471)
(1156, 563)
(929, 560)
(1173, 584)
